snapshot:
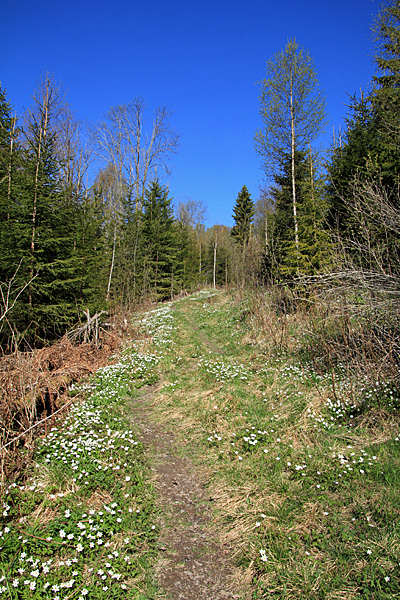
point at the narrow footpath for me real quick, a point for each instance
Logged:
(193, 565)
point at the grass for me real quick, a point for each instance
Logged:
(303, 464)
(84, 523)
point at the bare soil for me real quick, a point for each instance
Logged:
(194, 565)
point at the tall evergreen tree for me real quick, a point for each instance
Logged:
(43, 228)
(243, 213)
(312, 251)
(385, 99)
(370, 155)
(160, 243)
(9, 155)
(354, 157)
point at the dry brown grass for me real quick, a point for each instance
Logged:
(33, 385)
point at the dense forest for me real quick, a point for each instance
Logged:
(87, 223)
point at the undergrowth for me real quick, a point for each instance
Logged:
(83, 523)
(302, 452)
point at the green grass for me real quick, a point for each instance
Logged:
(303, 467)
(84, 523)
(304, 470)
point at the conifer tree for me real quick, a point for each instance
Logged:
(312, 251)
(160, 243)
(352, 158)
(9, 155)
(243, 213)
(370, 154)
(385, 98)
(45, 229)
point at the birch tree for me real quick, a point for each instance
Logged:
(136, 150)
(138, 153)
(292, 109)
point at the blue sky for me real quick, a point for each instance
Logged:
(201, 59)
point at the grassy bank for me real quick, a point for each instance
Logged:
(302, 462)
(83, 523)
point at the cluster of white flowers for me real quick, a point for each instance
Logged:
(221, 370)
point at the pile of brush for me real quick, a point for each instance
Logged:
(34, 386)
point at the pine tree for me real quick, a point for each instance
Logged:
(243, 213)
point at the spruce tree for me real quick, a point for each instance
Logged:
(44, 229)
(9, 155)
(160, 243)
(370, 155)
(243, 213)
(312, 251)
(385, 98)
(351, 159)
(282, 193)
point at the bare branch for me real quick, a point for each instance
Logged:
(10, 292)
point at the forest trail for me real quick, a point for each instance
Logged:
(193, 564)
(210, 462)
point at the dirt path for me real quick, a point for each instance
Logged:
(193, 565)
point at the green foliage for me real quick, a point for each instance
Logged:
(369, 150)
(303, 481)
(293, 112)
(352, 158)
(84, 523)
(312, 252)
(187, 265)
(290, 103)
(385, 98)
(49, 233)
(43, 224)
(243, 213)
(160, 242)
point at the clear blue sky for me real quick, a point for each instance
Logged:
(201, 59)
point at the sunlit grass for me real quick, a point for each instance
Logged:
(306, 478)
(303, 464)
(84, 525)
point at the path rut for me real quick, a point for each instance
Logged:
(193, 566)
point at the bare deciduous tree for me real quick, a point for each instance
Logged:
(122, 140)
(39, 127)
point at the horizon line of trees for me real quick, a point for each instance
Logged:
(69, 246)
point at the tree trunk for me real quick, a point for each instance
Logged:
(313, 197)
(10, 167)
(293, 147)
(42, 134)
(215, 262)
(112, 261)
